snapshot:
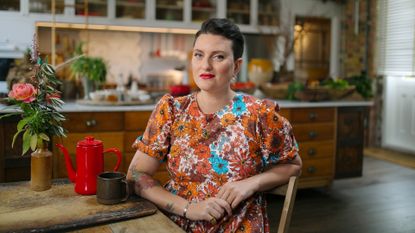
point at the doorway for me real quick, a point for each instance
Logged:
(312, 48)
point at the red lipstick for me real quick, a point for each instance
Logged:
(206, 76)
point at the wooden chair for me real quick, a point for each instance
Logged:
(289, 191)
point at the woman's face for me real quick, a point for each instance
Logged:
(213, 63)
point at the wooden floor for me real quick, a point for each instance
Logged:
(382, 201)
(404, 159)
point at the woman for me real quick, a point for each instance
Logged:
(222, 148)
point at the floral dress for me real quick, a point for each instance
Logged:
(205, 151)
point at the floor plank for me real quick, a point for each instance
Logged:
(381, 201)
(404, 159)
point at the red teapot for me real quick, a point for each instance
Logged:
(89, 163)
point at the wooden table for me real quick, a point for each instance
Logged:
(61, 209)
(156, 223)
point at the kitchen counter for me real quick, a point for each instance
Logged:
(74, 107)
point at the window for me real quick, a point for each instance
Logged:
(396, 38)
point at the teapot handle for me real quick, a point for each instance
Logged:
(119, 156)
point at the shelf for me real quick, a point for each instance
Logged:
(237, 11)
(204, 9)
(169, 7)
(268, 14)
(131, 4)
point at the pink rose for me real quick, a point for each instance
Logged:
(25, 92)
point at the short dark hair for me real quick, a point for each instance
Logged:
(227, 29)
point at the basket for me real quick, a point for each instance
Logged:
(275, 90)
(313, 94)
(336, 94)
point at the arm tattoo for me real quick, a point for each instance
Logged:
(169, 206)
(142, 181)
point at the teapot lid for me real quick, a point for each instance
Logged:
(89, 141)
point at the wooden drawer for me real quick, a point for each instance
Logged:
(129, 138)
(350, 125)
(94, 121)
(309, 115)
(114, 139)
(316, 150)
(136, 120)
(314, 132)
(349, 162)
(317, 167)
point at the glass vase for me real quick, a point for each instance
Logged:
(41, 170)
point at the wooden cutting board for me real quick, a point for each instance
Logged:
(60, 208)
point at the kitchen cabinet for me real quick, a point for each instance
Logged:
(169, 10)
(103, 126)
(203, 9)
(94, 7)
(45, 6)
(253, 16)
(13, 165)
(239, 11)
(315, 131)
(127, 9)
(351, 124)
(12, 6)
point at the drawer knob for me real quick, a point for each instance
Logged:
(312, 152)
(311, 169)
(312, 116)
(91, 123)
(312, 134)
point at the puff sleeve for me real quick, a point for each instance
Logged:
(155, 141)
(278, 143)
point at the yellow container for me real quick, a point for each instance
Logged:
(260, 71)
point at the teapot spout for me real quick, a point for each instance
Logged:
(68, 162)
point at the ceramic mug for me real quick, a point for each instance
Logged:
(112, 188)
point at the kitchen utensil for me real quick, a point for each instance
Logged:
(89, 163)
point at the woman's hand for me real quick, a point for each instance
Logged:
(235, 192)
(209, 209)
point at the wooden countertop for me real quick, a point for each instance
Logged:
(156, 223)
(61, 209)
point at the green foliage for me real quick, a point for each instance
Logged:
(338, 84)
(40, 116)
(90, 67)
(293, 88)
(363, 85)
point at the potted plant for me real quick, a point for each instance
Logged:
(91, 71)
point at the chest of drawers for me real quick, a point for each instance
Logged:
(315, 131)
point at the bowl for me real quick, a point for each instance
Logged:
(275, 90)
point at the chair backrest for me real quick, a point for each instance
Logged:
(289, 191)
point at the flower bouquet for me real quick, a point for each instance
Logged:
(37, 102)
